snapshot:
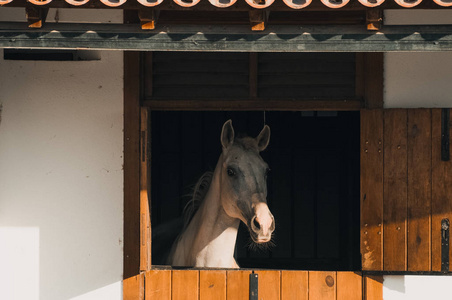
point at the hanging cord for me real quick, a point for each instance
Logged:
(265, 121)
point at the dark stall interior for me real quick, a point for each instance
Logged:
(313, 186)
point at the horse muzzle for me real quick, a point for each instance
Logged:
(262, 224)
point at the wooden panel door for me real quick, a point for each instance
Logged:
(404, 176)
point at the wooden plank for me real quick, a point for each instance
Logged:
(148, 80)
(185, 285)
(373, 287)
(145, 218)
(441, 191)
(269, 285)
(372, 189)
(212, 285)
(158, 285)
(246, 105)
(419, 189)
(133, 287)
(322, 285)
(148, 18)
(349, 286)
(253, 78)
(238, 285)
(395, 190)
(258, 19)
(36, 15)
(294, 285)
(373, 79)
(131, 164)
(359, 75)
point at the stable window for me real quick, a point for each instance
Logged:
(314, 155)
(312, 103)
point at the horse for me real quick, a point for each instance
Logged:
(235, 191)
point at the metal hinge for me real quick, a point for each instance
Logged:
(254, 284)
(445, 245)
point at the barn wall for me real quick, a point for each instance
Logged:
(61, 178)
(417, 80)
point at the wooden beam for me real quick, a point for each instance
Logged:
(244, 105)
(131, 164)
(148, 18)
(373, 79)
(374, 19)
(36, 15)
(258, 19)
(274, 38)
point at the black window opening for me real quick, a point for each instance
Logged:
(313, 188)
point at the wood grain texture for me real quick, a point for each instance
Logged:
(373, 79)
(145, 221)
(372, 189)
(238, 285)
(269, 285)
(419, 189)
(131, 164)
(158, 285)
(246, 105)
(133, 287)
(373, 287)
(294, 285)
(212, 285)
(185, 285)
(441, 191)
(349, 286)
(322, 285)
(395, 190)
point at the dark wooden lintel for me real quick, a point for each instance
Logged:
(244, 105)
(36, 15)
(148, 18)
(258, 19)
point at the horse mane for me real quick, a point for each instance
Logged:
(199, 192)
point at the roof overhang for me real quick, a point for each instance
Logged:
(318, 38)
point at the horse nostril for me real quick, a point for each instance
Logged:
(256, 224)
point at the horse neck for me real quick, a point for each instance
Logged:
(213, 232)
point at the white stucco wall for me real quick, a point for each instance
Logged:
(421, 79)
(61, 186)
(61, 178)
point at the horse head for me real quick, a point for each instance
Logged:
(243, 182)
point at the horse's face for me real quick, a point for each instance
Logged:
(243, 182)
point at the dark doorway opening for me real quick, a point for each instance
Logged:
(313, 188)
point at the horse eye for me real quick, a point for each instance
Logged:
(230, 172)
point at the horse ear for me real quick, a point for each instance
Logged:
(263, 138)
(227, 134)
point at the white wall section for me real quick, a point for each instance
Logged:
(61, 178)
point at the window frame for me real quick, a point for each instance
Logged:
(137, 231)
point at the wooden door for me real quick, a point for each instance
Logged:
(272, 285)
(406, 189)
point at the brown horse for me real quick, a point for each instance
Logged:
(236, 191)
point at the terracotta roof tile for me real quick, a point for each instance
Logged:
(259, 4)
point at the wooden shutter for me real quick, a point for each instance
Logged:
(406, 189)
